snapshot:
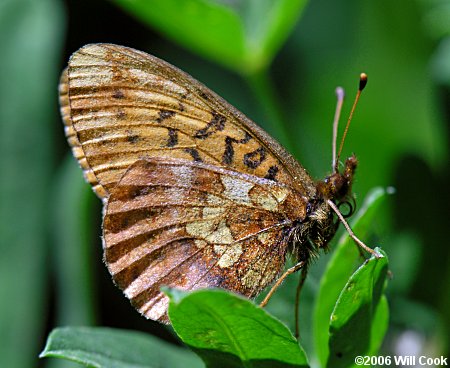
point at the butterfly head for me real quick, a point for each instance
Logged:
(337, 187)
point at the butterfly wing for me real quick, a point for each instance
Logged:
(196, 195)
(192, 225)
(120, 105)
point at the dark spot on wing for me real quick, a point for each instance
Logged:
(194, 154)
(204, 95)
(272, 173)
(254, 159)
(121, 114)
(216, 124)
(228, 154)
(132, 137)
(164, 114)
(118, 94)
(173, 138)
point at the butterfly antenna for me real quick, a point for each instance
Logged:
(340, 100)
(362, 84)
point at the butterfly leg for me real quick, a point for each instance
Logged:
(297, 300)
(350, 231)
(280, 280)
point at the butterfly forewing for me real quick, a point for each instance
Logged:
(121, 104)
(193, 225)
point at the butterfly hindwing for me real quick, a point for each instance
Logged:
(192, 225)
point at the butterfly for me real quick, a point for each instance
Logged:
(195, 194)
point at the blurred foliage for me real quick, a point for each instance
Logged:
(253, 30)
(399, 133)
(31, 34)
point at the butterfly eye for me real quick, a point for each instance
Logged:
(309, 208)
(346, 208)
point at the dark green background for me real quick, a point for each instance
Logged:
(51, 272)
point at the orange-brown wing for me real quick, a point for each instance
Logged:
(193, 225)
(120, 105)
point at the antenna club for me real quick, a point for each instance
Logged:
(340, 93)
(362, 81)
(362, 84)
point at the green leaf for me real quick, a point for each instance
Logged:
(242, 35)
(112, 348)
(227, 330)
(345, 259)
(353, 316)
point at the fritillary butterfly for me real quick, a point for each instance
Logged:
(195, 194)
